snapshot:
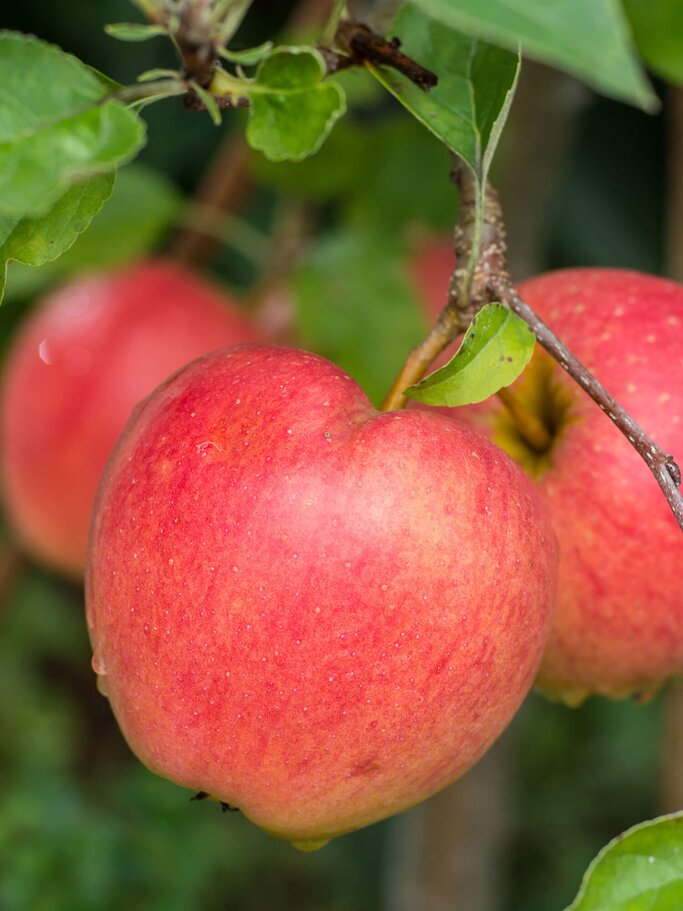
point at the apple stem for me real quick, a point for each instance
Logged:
(489, 281)
(532, 430)
(419, 360)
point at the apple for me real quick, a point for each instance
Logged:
(430, 269)
(618, 627)
(311, 610)
(90, 352)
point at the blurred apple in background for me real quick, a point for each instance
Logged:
(430, 270)
(78, 365)
(311, 610)
(618, 628)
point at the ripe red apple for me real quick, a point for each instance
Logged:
(81, 361)
(618, 626)
(313, 611)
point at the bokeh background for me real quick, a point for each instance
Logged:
(83, 826)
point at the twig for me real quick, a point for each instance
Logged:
(488, 281)
(661, 464)
(479, 252)
(364, 46)
(480, 245)
(227, 183)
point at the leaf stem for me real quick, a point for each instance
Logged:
(330, 30)
(149, 91)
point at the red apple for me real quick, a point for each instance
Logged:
(313, 611)
(430, 271)
(81, 361)
(618, 627)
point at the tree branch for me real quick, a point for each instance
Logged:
(479, 252)
(660, 463)
(482, 277)
(362, 46)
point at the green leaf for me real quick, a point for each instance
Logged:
(497, 347)
(356, 305)
(209, 102)
(641, 870)
(589, 38)
(657, 27)
(56, 126)
(292, 109)
(141, 208)
(34, 241)
(468, 107)
(134, 31)
(250, 56)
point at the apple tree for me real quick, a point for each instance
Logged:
(301, 115)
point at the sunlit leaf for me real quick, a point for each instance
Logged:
(143, 205)
(292, 109)
(497, 347)
(589, 38)
(56, 129)
(134, 31)
(468, 107)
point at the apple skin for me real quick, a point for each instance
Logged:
(313, 611)
(79, 364)
(618, 627)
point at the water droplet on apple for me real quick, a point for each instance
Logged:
(98, 663)
(100, 668)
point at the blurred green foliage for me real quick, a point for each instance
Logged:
(83, 826)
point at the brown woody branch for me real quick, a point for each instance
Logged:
(355, 45)
(467, 292)
(661, 464)
(227, 182)
(485, 280)
(361, 46)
